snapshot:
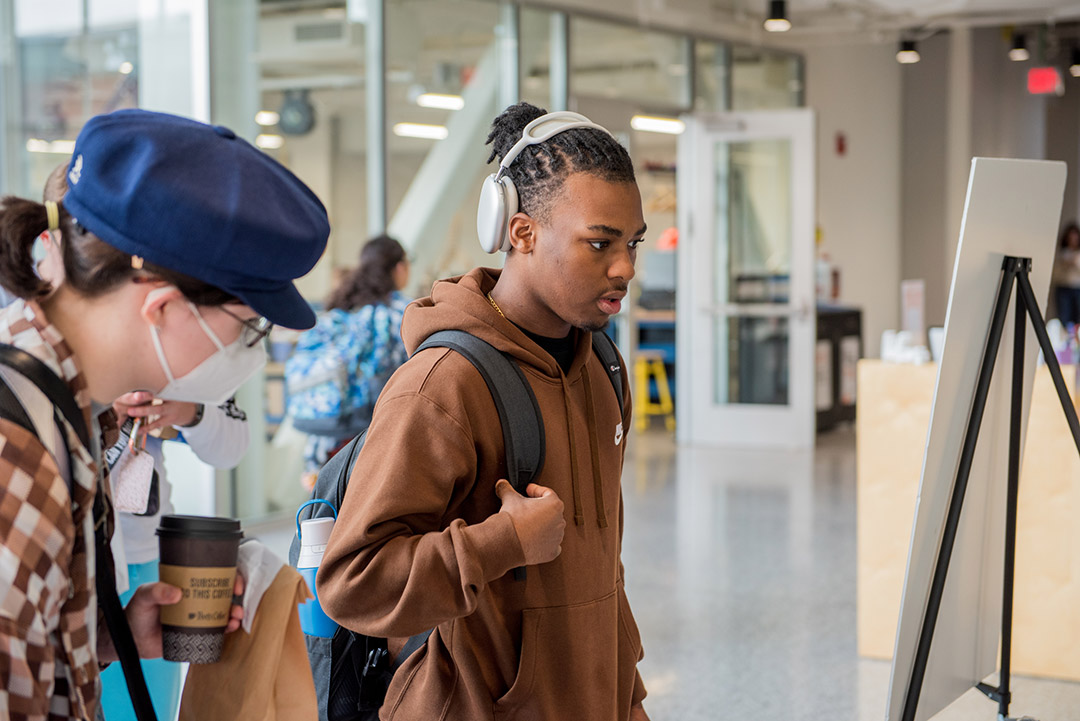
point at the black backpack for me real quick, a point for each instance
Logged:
(352, 671)
(65, 406)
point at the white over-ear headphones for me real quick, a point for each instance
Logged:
(499, 197)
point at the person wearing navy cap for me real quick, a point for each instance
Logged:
(180, 244)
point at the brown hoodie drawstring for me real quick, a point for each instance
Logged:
(598, 486)
(579, 512)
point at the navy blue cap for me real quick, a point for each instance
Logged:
(198, 200)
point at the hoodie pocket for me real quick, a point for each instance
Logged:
(568, 665)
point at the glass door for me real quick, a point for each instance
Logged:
(746, 296)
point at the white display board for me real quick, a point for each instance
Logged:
(1012, 208)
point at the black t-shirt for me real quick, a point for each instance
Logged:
(561, 349)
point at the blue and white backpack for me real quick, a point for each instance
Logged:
(339, 367)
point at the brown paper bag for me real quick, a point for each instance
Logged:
(264, 676)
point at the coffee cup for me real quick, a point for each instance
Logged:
(198, 556)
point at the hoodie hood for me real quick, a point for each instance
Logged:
(461, 303)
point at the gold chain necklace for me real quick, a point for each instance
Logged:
(495, 305)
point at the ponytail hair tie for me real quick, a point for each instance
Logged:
(53, 212)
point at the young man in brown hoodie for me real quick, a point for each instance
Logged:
(430, 529)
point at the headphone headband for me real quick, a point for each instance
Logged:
(499, 196)
(543, 128)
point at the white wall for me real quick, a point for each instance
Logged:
(855, 90)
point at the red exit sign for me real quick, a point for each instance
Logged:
(1045, 81)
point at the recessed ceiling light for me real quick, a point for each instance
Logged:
(269, 142)
(421, 130)
(267, 117)
(442, 101)
(657, 124)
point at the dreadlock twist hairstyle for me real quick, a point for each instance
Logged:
(539, 170)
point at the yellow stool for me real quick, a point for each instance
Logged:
(651, 363)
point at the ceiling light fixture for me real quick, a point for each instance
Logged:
(1074, 63)
(60, 147)
(267, 118)
(126, 68)
(442, 101)
(269, 142)
(907, 54)
(777, 22)
(421, 130)
(1019, 52)
(657, 124)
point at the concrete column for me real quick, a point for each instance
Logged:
(560, 62)
(507, 34)
(375, 88)
(10, 104)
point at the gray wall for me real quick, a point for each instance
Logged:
(924, 248)
(1006, 121)
(1000, 119)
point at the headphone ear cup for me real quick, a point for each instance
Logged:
(491, 215)
(510, 207)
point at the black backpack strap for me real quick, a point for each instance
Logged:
(519, 413)
(11, 409)
(411, 646)
(58, 393)
(608, 354)
(523, 430)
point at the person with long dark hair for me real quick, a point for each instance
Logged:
(339, 367)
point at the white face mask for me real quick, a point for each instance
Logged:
(216, 379)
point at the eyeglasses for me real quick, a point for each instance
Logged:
(255, 329)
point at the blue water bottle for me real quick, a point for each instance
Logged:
(313, 534)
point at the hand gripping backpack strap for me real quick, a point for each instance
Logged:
(58, 393)
(519, 413)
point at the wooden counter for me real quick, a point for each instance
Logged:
(893, 416)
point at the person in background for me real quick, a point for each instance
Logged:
(361, 326)
(1067, 276)
(180, 243)
(219, 436)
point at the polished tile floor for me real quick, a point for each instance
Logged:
(741, 571)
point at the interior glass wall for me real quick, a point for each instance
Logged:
(624, 62)
(712, 76)
(765, 80)
(442, 82)
(442, 91)
(74, 59)
(77, 58)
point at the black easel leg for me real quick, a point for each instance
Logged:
(952, 522)
(1016, 415)
(1037, 323)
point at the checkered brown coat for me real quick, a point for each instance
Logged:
(48, 605)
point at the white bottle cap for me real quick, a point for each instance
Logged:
(314, 533)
